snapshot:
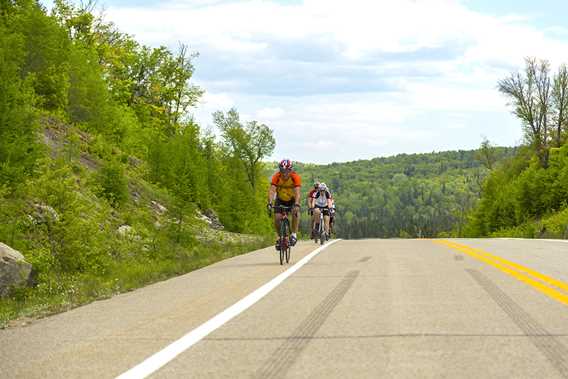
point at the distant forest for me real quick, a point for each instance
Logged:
(408, 195)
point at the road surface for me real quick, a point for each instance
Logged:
(364, 308)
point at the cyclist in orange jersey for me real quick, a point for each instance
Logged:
(285, 191)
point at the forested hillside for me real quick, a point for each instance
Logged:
(408, 195)
(103, 173)
(528, 196)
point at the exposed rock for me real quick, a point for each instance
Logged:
(158, 208)
(53, 133)
(125, 230)
(14, 270)
(133, 161)
(43, 214)
(128, 231)
(211, 218)
(90, 162)
(136, 196)
(215, 222)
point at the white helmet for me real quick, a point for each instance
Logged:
(322, 187)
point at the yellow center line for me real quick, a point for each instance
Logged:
(547, 279)
(511, 268)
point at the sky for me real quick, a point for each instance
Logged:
(341, 81)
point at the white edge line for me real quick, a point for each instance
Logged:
(162, 357)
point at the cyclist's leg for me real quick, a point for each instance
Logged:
(277, 221)
(295, 220)
(313, 221)
(326, 220)
(316, 218)
(277, 218)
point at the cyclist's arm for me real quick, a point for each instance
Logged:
(297, 195)
(271, 194)
(329, 200)
(297, 184)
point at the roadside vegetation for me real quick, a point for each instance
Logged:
(527, 194)
(104, 176)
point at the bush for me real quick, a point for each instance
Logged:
(73, 239)
(113, 183)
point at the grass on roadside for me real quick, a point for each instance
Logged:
(59, 293)
(553, 226)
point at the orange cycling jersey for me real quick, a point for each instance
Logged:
(285, 187)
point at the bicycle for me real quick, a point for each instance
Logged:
(320, 234)
(332, 213)
(285, 232)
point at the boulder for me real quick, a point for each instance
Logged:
(14, 270)
(212, 219)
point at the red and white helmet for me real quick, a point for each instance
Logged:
(285, 165)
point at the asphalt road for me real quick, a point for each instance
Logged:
(366, 308)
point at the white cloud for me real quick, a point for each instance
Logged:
(376, 76)
(270, 114)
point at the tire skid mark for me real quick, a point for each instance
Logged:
(285, 356)
(364, 259)
(334, 276)
(551, 348)
(374, 336)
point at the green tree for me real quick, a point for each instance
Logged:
(250, 142)
(540, 101)
(486, 154)
(18, 119)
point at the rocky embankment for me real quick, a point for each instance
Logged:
(14, 270)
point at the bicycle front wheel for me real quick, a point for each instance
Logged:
(284, 239)
(282, 253)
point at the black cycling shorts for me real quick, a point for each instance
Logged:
(278, 203)
(325, 210)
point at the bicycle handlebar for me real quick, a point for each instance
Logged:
(282, 208)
